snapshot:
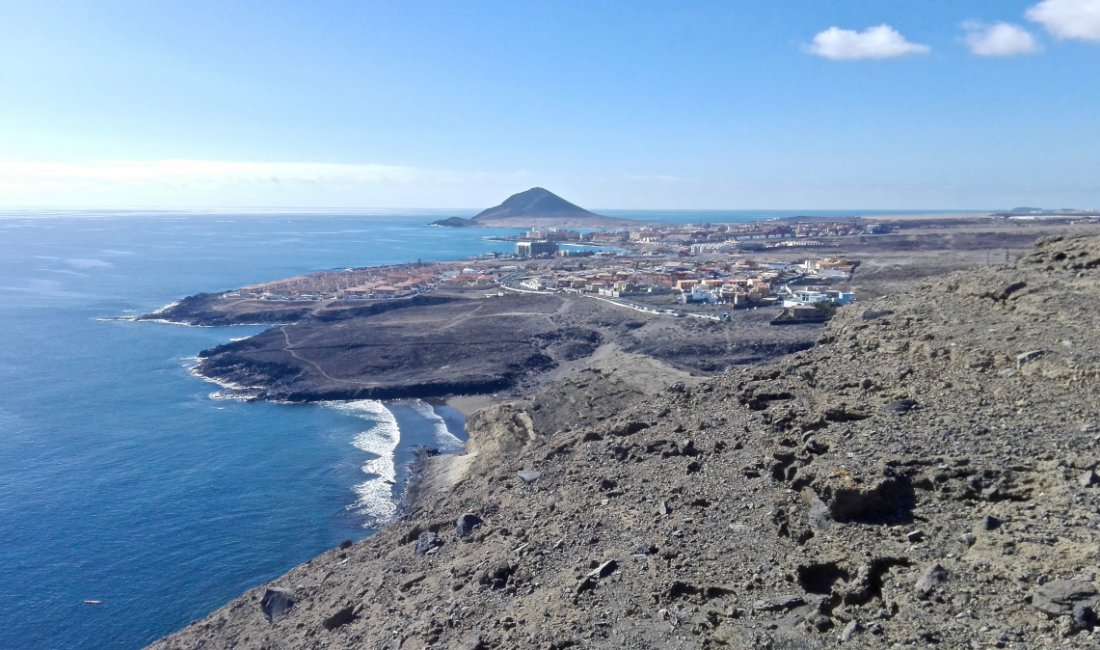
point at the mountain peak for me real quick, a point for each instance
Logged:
(537, 207)
(535, 203)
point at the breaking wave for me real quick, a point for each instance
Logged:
(375, 497)
(448, 442)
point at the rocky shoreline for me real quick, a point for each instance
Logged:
(926, 474)
(438, 346)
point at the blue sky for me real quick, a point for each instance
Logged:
(737, 104)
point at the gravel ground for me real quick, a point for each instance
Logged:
(924, 476)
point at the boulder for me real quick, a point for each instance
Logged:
(276, 604)
(1084, 616)
(850, 630)
(529, 476)
(1058, 597)
(604, 570)
(934, 576)
(427, 542)
(467, 523)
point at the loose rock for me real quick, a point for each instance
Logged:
(1058, 597)
(529, 476)
(427, 541)
(850, 630)
(934, 576)
(779, 603)
(808, 496)
(467, 524)
(276, 604)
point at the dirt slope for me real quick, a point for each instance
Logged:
(923, 476)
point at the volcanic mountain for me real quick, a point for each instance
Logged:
(536, 207)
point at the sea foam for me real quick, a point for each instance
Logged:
(375, 498)
(448, 442)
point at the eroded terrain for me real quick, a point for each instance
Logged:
(924, 475)
(462, 344)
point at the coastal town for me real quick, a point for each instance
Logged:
(704, 270)
(606, 363)
(600, 407)
(552, 325)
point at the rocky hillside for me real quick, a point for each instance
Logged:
(924, 475)
(535, 202)
(435, 346)
(536, 207)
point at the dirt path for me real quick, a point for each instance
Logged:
(458, 320)
(313, 364)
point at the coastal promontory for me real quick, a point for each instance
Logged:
(925, 475)
(462, 343)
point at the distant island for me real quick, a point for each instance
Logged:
(534, 208)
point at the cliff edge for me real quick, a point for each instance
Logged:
(925, 475)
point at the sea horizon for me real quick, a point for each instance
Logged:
(122, 479)
(643, 214)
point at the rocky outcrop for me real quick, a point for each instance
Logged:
(218, 310)
(454, 222)
(402, 349)
(434, 346)
(913, 479)
(536, 207)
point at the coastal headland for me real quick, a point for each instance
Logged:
(504, 325)
(455, 343)
(658, 473)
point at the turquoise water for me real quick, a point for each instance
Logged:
(121, 480)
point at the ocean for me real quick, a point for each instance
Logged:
(121, 479)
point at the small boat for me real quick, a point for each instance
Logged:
(90, 601)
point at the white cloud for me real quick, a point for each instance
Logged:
(879, 42)
(211, 182)
(1074, 19)
(199, 172)
(1000, 39)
